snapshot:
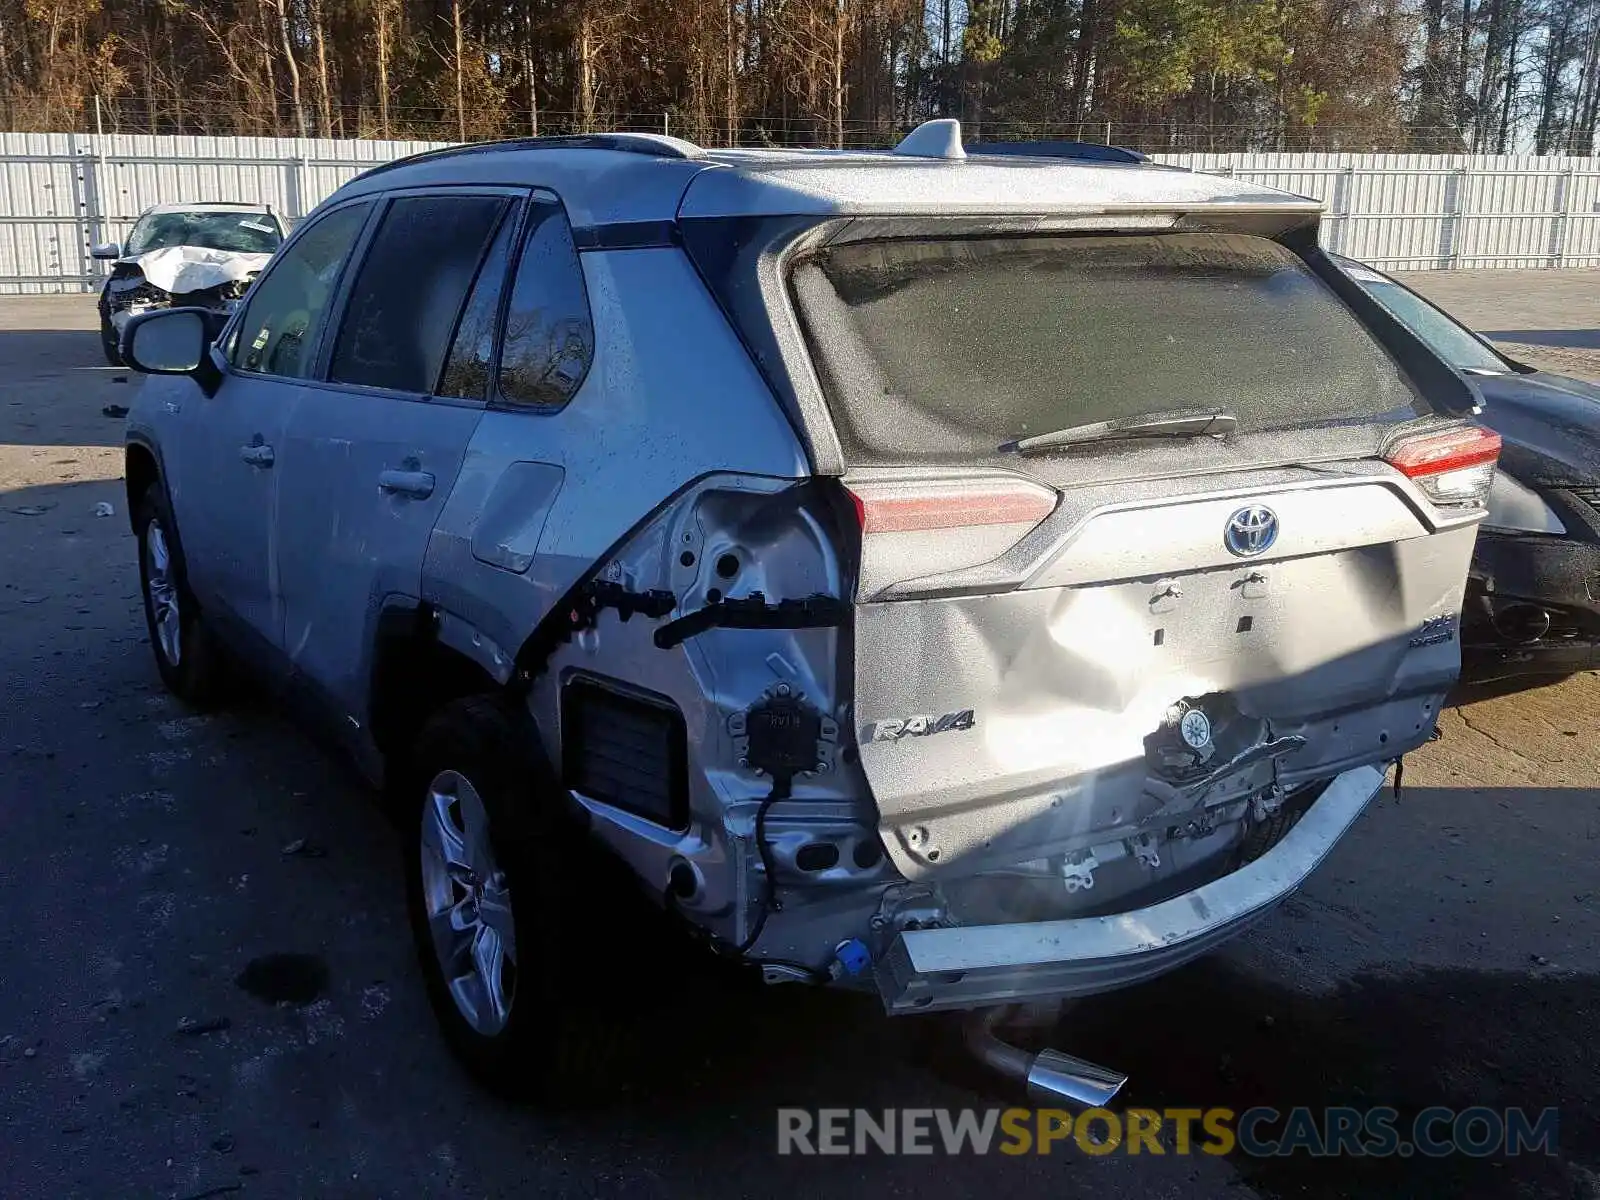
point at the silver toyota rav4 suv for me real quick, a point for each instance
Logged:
(979, 580)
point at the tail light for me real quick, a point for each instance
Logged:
(960, 502)
(1453, 466)
(916, 527)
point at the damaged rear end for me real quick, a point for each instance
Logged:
(1160, 537)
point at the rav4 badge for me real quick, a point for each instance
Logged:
(893, 731)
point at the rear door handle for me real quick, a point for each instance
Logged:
(416, 484)
(256, 456)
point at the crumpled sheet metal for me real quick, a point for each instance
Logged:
(182, 269)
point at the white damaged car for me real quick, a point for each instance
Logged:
(184, 255)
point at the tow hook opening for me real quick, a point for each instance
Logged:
(1049, 1076)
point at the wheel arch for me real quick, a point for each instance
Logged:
(417, 673)
(414, 674)
(141, 467)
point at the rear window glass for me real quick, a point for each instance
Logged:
(940, 348)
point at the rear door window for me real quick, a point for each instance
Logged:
(410, 290)
(471, 360)
(936, 349)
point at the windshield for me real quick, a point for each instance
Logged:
(1449, 340)
(943, 348)
(243, 232)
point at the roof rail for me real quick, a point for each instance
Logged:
(1090, 151)
(657, 145)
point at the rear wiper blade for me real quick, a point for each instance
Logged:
(1192, 422)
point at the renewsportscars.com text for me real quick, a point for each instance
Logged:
(1261, 1132)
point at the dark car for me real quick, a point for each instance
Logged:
(1533, 596)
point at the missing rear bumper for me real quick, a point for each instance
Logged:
(932, 969)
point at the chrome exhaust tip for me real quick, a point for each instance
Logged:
(1049, 1075)
(1061, 1078)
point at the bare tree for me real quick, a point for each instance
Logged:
(1368, 74)
(294, 67)
(319, 42)
(1587, 106)
(530, 64)
(460, 72)
(731, 112)
(381, 20)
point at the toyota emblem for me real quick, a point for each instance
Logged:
(1251, 531)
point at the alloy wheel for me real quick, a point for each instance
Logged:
(162, 591)
(468, 904)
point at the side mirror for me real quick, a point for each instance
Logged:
(105, 251)
(172, 341)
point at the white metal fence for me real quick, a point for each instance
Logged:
(62, 192)
(1439, 211)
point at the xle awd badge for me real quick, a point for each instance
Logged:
(893, 731)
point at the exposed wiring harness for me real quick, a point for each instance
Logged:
(769, 872)
(781, 790)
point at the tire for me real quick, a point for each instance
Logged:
(185, 650)
(108, 342)
(474, 775)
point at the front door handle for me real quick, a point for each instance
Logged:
(256, 456)
(416, 484)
